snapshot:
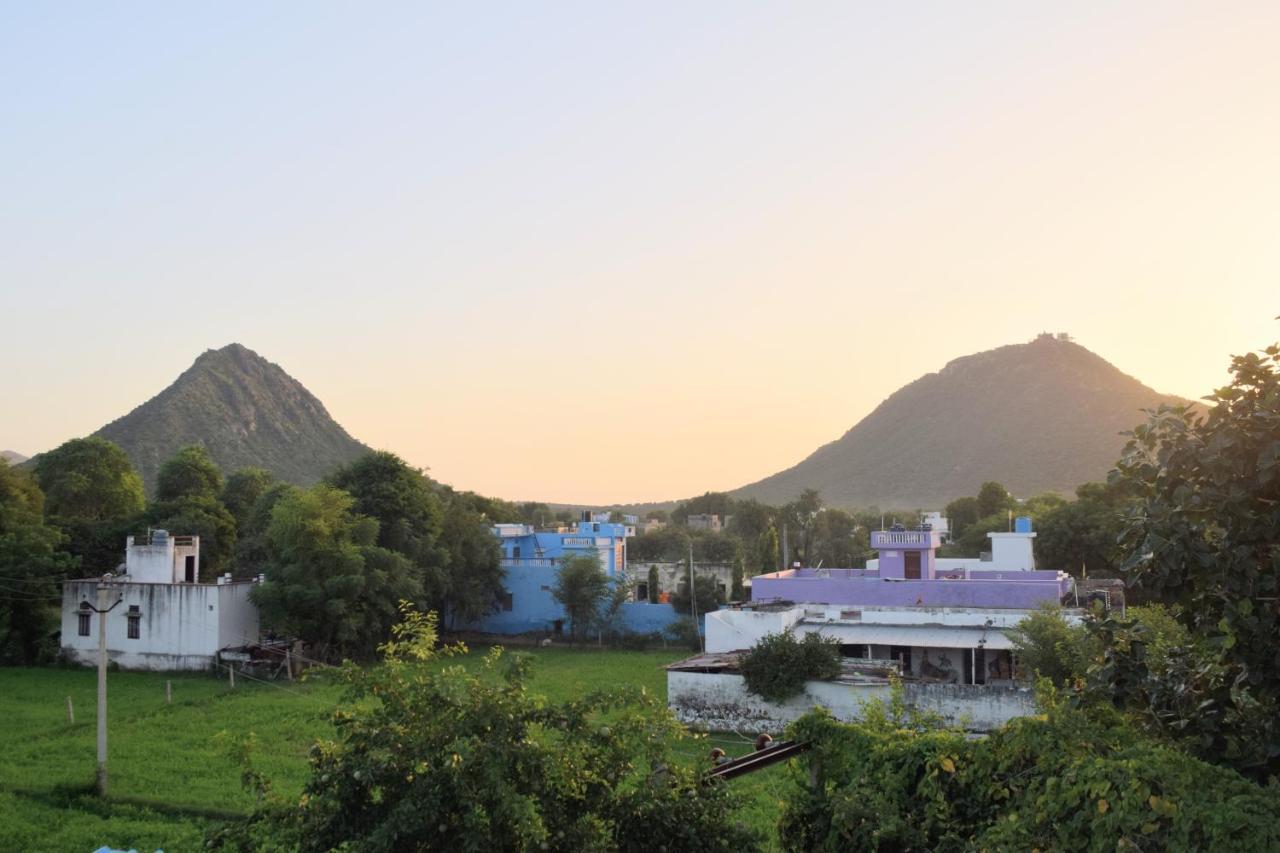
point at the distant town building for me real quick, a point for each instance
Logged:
(941, 624)
(166, 618)
(704, 521)
(649, 525)
(531, 560)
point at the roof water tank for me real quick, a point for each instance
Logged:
(1022, 524)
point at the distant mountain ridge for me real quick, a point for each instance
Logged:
(246, 411)
(13, 457)
(1040, 416)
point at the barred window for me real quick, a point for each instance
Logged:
(135, 620)
(84, 619)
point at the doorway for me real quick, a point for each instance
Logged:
(912, 566)
(191, 568)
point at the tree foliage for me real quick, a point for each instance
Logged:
(581, 588)
(199, 516)
(89, 480)
(708, 592)
(242, 491)
(327, 581)
(1204, 537)
(432, 756)
(473, 574)
(32, 563)
(777, 667)
(1061, 781)
(189, 473)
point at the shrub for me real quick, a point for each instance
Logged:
(1049, 647)
(430, 756)
(777, 667)
(1061, 781)
(684, 632)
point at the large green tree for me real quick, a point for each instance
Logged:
(189, 473)
(472, 578)
(94, 496)
(402, 500)
(328, 581)
(1205, 537)
(199, 516)
(89, 479)
(32, 563)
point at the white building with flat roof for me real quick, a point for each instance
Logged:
(163, 618)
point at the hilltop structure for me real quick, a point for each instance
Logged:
(166, 618)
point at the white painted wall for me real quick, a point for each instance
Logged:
(721, 702)
(941, 627)
(181, 626)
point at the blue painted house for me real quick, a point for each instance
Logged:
(531, 560)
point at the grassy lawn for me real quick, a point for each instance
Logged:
(171, 776)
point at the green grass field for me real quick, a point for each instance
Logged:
(171, 776)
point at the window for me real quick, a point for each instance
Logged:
(505, 599)
(84, 619)
(135, 620)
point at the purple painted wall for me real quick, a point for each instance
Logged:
(1028, 593)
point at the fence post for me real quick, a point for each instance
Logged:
(168, 693)
(71, 712)
(231, 674)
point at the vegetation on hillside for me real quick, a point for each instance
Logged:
(245, 411)
(1042, 416)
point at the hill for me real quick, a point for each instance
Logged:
(1041, 416)
(245, 411)
(13, 457)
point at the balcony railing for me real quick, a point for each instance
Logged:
(882, 538)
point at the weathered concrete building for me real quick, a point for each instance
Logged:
(940, 625)
(165, 619)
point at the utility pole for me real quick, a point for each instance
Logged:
(693, 601)
(104, 592)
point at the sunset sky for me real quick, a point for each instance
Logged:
(606, 252)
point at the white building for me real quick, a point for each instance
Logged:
(165, 618)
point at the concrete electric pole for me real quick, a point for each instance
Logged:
(104, 593)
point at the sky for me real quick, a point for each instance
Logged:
(615, 252)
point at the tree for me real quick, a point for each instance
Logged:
(710, 503)
(1083, 536)
(241, 492)
(708, 592)
(961, 513)
(327, 582)
(89, 479)
(654, 591)
(199, 516)
(994, 498)
(768, 553)
(737, 591)
(581, 587)
(435, 757)
(32, 563)
(94, 496)
(252, 545)
(401, 499)
(472, 578)
(665, 543)
(1204, 533)
(189, 473)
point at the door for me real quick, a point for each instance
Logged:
(191, 568)
(911, 570)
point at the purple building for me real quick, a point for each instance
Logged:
(908, 573)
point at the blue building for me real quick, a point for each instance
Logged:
(531, 560)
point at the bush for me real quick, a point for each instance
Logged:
(777, 667)
(1061, 781)
(430, 756)
(1049, 647)
(684, 632)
